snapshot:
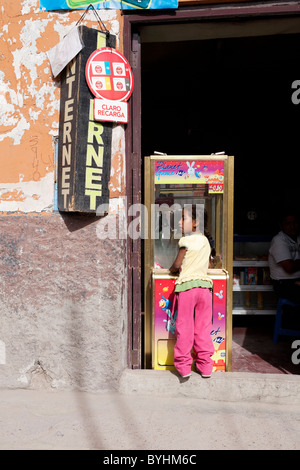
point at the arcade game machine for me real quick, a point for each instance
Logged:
(170, 183)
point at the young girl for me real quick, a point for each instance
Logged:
(193, 291)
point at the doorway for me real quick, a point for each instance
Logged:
(227, 86)
(232, 95)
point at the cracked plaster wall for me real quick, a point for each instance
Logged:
(63, 289)
(29, 100)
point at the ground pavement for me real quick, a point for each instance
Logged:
(156, 410)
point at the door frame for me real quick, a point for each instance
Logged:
(133, 131)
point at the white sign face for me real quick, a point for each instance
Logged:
(114, 111)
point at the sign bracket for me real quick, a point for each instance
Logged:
(100, 22)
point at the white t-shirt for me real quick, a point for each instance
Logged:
(282, 248)
(196, 260)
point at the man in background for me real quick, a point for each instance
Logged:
(284, 258)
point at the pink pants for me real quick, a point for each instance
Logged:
(193, 328)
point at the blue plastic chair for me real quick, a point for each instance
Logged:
(278, 330)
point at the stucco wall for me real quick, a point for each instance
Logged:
(63, 288)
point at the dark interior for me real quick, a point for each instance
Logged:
(232, 95)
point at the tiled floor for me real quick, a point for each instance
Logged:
(253, 349)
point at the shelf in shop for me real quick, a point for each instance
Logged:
(252, 288)
(250, 263)
(252, 311)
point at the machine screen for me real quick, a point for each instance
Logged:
(170, 199)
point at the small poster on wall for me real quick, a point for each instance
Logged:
(108, 4)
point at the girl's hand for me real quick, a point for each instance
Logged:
(173, 270)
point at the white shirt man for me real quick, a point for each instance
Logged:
(284, 259)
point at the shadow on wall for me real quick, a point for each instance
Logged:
(76, 221)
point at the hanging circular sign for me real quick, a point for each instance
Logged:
(109, 75)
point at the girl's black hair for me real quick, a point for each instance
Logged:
(192, 210)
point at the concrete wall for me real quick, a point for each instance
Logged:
(63, 289)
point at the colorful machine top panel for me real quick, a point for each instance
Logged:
(191, 172)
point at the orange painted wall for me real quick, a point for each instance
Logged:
(29, 98)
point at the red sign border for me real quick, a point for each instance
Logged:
(87, 67)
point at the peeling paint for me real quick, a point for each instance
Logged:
(27, 5)
(117, 179)
(15, 195)
(28, 196)
(23, 371)
(29, 100)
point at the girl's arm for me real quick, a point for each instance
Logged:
(178, 261)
